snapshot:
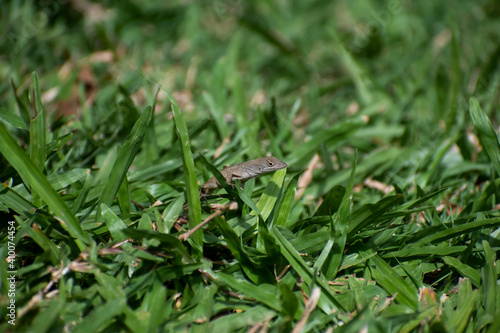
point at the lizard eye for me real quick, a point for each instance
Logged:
(270, 163)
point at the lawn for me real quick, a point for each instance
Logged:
(113, 114)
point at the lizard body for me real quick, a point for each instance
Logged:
(245, 171)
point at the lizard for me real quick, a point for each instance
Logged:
(245, 171)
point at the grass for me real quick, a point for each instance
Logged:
(114, 114)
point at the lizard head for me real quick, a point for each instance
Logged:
(270, 164)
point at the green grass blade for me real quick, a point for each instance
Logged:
(255, 273)
(389, 279)
(216, 114)
(487, 135)
(34, 178)
(467, 298)
(38, 135)
(171, 212)
(489, 287)
(101, 316)
(46, 244)
(330, 136)
(328, 299)
(286, 203)
(13, 119)
(250, 290)
(82, 196)
(464, 270)
(268, 199)
(11, 199)
(114, 223)
(125, 158)
(413, 252)
(332, 201)
(458, 230)
(124, 197)
(192, 193)
(45, 319)
(340, 228)
(241, 319)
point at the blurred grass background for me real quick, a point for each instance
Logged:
(389, 204)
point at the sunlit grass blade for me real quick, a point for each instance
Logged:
(268, 199)
(286, 203)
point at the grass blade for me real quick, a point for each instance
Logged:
(464, 270)
(124, 159)
(487, 135)
(328, 300)
(390, 280)
(192, 193)
(38, 135)
(34, 178)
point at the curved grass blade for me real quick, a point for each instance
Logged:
(487, 135)
(34, 178)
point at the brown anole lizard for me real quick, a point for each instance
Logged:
(245, 171)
